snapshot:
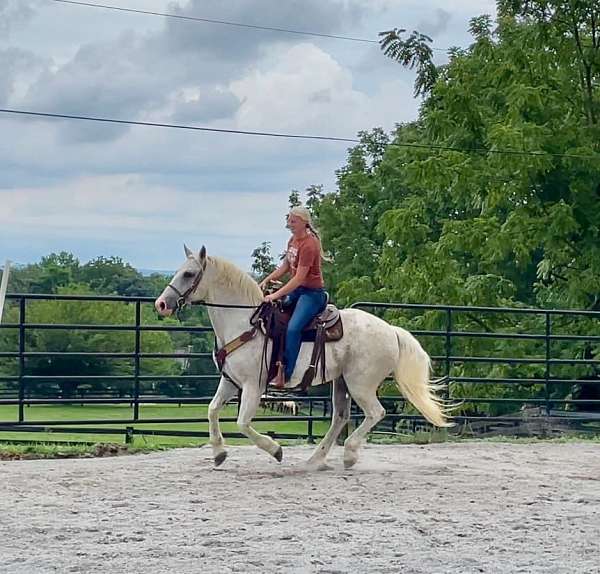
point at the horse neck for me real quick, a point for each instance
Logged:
(227, 322)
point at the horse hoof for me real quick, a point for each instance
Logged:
(278, 454)
(349, 463)
(220, 458)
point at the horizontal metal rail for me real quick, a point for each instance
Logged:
(545, 368)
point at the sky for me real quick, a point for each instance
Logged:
(140, 192)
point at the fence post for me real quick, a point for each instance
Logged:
(136, 366)
(128, 435)
(310, 439)
(449, 328)
(547, 369)
(21, 358)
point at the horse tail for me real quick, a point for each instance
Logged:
(412, 377)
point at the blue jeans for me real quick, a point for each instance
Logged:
(309, 303)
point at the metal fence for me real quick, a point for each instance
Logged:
(467, 344)
(548, 357)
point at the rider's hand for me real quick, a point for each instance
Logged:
(264, 284)
(270, 298)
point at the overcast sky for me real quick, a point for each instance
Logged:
(141, 192)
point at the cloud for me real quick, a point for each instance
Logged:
(133, 210)
(194, 105)
(243, 44)
(110, 80)
(18, 68)
(298, 88)
(14, 13)
(279, 92)
(137, 75)
(435, 25)
(303, 89)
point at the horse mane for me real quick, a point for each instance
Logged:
(228, 275)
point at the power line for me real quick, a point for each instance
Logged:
(222, 22)
(293, 136)
(177, 126)
(213, 21)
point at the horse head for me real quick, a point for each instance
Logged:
(184, 285)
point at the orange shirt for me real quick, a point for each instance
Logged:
(306, 252)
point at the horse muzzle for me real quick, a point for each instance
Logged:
(162, 307)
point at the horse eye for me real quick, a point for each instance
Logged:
(188, 274)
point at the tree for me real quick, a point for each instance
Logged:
(51, 273)
(505, 227)
(461, 222)
(294, 199)
(262, 261)
(112, 276)
(314, 196)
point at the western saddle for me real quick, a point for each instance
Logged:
(272, 319)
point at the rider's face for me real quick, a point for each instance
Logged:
(295, 224)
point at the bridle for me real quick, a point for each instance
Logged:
(182, 298)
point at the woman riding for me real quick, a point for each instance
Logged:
(304, 289)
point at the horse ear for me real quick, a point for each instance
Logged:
(188, 251)
(202, 254)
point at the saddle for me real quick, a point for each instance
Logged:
(272, 319)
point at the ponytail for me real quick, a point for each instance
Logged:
(324, 255)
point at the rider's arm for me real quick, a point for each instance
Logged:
(293, 283)
(279, 272)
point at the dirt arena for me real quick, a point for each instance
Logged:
(449, 508)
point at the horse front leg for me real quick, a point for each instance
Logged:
(225, 391)
(248, 407)
(340, 416)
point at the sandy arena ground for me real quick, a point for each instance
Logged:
(448, 508)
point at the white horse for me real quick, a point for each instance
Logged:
(370, 351)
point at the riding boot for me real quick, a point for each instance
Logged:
(279, 379)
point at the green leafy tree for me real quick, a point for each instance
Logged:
(262, 261)
(111, 275)
(461, 222)
(294, 199)
(492, 227)
(51, 273)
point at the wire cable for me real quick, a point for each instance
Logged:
(222, 22)
(294, 136)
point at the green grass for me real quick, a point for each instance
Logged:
(442, 435)
(43, 450)
(152, 442)
(115, 412)
(418, 437)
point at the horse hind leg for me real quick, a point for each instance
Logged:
(366, 399)
(340, 416)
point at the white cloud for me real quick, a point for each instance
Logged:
(303, 89)
(14, 13)
(128, 207)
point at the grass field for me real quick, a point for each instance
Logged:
(115, 412)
